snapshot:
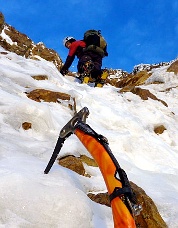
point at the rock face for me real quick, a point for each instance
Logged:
(14, 41)
(39, 50)
(1, 21)
(173, 67)
(131, 83)
(149, 216)
(136, 80)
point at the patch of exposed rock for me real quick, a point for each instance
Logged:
(88, 161)
(145, 94)
(1, 21)
(73, 163)
(149, 216)
(16, 42)
(47, 95)
(131, 80)
(39, 50)
(76, 163)
(101, 198)
(26, 125)
(52, 96)
(130, 83)
(159, 129)
(173, 67)
(40, 77)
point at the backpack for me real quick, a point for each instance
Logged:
(95, 42)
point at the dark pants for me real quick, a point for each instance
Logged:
(96, 61)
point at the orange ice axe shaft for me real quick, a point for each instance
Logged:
(123, 203)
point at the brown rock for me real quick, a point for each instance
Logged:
(21, 42)
(47, 95)
(131, 80)
(1, 22)
(173, 67)
(88, 161)
(40, 77)
(159, 129)
(145, 94)
(149, 216)
(72, 163)
(101, 198)
(45, 53)
(3, 53)
(26, 126)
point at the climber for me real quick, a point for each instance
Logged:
(75, 49)
(89, 63)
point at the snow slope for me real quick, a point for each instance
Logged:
(29, 198)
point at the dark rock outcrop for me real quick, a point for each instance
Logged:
(1, 21)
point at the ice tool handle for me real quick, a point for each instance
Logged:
(70, 126)
(78, 126)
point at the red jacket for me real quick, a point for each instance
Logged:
(76, 49)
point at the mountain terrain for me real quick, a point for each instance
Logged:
(136, 111)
